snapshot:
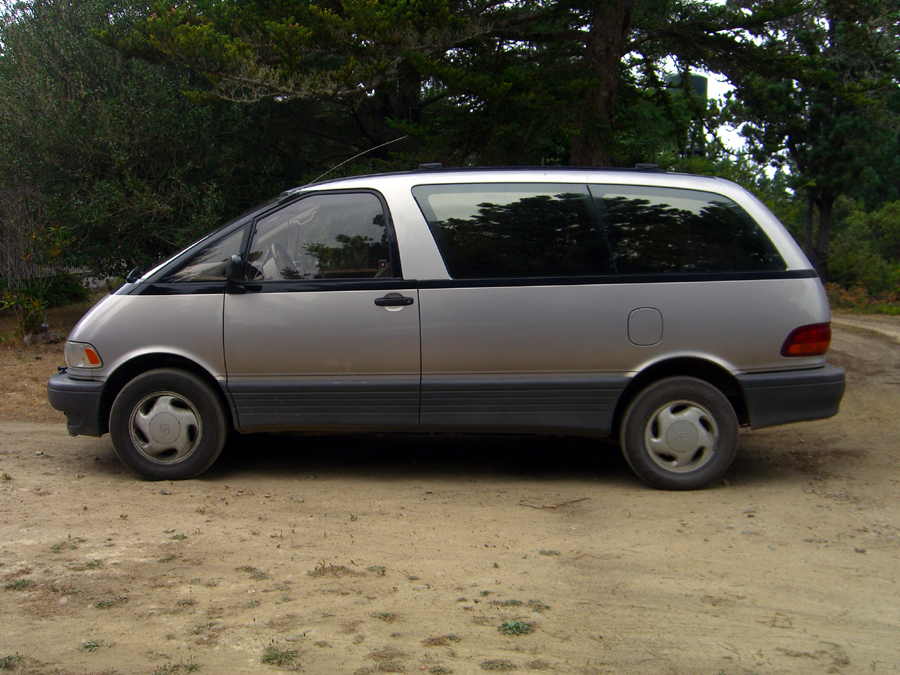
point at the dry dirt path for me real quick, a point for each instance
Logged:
(364, 555)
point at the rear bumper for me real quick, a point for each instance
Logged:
(794, 396)
(80, 401)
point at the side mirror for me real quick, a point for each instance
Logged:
(234, 268)
(234, 274)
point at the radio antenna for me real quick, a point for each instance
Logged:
(338, 166)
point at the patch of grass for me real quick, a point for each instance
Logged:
(323, 570)
(104, 604)
(484, 594)
(507, 603)
(387, 660)
(62, 546)
(441, 640)
(173, 668)
(166, 558)
(380, 570)
(91, 645)
(537, 665)
(515, 628)
(390, 617)
(497, 664)
(186, 602)
(537, 606)
(9, 661)
(5, 476)
(178, 537)
(19, 584)
(257, 574)
(439, 670)
(273, 656)
(252, 604)
(93, 563)
(548, 552)
(211, 584)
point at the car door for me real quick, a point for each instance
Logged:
(520, 337)
(323, 331)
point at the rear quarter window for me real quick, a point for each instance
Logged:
(665, 230)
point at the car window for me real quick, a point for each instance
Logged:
(209, 263)
(665, 230)
(331, 236)
(514, 230)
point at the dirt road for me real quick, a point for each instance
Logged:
(364, 555)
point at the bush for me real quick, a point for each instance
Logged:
(28, 302)
(858, 298)
(865, 252)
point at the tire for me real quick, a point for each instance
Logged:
(167, 424)
(680, 433)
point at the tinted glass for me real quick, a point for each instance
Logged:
(663, 231)
(337, 236)
(504, 230)
(209, 263)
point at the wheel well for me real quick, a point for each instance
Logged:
(714, 374)
(128, 371)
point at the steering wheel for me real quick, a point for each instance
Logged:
(286, 267)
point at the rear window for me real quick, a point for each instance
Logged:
(518, 230)
(665, 231)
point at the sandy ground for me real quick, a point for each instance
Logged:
(386, 554)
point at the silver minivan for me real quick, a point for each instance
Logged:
(667, 310)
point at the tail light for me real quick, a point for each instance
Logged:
(808, 340)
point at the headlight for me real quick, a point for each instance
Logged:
(82, 355)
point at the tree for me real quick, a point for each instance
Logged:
(823, 115)
(109, 151)
(567, 81)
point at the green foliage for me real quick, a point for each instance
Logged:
(27, 308)
(29, 301)
(273, 656)
(128, 130)
(826, 114)
(106, 162)
(865, 251)
(467, 83)
(10, 660)
(516, 628)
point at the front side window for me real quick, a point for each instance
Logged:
(514, 230)
(328, 236)
(208, 264)
(666, 230)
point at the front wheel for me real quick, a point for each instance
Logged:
(679, 434)
(167, 424)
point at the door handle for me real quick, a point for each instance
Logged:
(394, 300)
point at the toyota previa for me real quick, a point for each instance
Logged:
(661, 309)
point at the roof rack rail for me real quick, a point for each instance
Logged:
(430, 166)
(647, 167)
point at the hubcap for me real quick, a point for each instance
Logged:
(681, 436)
(165, 428)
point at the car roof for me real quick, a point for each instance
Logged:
(642, 175)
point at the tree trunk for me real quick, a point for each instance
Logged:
(825, 205)
(604, 48)
(808, 245)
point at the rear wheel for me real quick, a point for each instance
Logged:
(167, 424)
(679, 434)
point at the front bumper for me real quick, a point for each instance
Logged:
(80, 401)
(792, 396)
